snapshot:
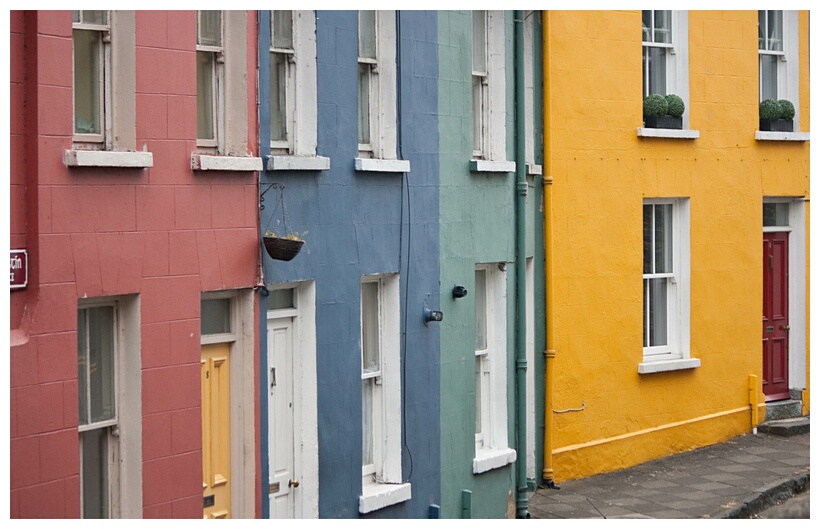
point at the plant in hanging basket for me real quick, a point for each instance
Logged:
(283, 248)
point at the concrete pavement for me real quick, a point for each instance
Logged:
(735, 479)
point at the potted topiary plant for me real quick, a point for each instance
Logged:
(663, 112)
(776, 115)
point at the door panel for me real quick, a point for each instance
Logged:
(216, 430)
(284, 480)
(776, 316)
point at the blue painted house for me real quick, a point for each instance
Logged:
(349, 368)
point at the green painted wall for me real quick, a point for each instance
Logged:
(477, 216)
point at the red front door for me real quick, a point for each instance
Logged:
(776, 316)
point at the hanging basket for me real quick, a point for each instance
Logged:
(282, 249)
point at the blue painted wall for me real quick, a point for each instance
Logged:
(365, 223)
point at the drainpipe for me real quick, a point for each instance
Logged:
(520, 270)
(547, 472)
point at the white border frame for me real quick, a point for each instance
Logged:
(798, 373)
(243, 426)
(305, 391)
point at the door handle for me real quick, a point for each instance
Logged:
(293, 483)
(784, 327)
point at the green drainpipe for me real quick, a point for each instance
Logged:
(520, 271)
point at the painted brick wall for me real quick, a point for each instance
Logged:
(602, 172)
(477, 215)
(163, 233)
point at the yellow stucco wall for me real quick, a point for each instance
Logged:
(602, 171)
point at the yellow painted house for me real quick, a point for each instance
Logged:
(667, 326)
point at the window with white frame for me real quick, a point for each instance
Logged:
(665, 41)
(91, 33)
(282, 81)
(777, 39)
(489, 143)
(666, 284)
(381, 394)
(210, 76)
(107, 382)
(770, 51)
(293, 117)
(491, 450)
(480, 84)
(104, 97)
(377, 93)
(221, 91)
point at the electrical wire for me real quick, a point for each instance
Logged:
(404, 180)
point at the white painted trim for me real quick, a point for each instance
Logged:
(209, 162)
(494, 435)
(381, 165)
(658, 366)
(129, 400)
(490, 458)
(791, 49)
(532, 472)
(765, 135)
(677, 63)
(644, 132)
(304, 27)
(491, 166)
(798, 372)
(242, 377)
(496, 86)
(279, 162)
(534, 169)
(383, 96)
(798, 377)
(529, 89)
(680, 61)
(123, 82)
(388, 468)
(83, 158)
(679, 293)
(380, 495)
(305, 391)
(233, 136)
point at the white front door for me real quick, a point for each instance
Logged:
(284, 476)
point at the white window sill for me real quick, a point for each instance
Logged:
(490, 458)
(680, 134)
(80, 158)
(380, 165)
(281, 162)
(534, 169)
(210, 162)
(765, 135)
(491, 166)
(380, 495)
(659, 366)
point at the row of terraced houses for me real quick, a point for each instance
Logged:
(395, 264)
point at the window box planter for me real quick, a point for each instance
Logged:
(282, 249)
(663, 122)
(777, 125)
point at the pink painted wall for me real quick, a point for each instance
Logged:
(163, 233)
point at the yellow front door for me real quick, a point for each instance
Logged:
(216, 430)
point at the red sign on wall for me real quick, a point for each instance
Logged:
(19, 268)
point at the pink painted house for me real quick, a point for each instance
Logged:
(134, 171)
